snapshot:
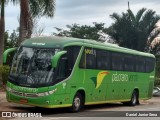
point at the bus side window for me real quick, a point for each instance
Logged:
(72, 54)
(103, 60)
(88, 59)
(129, 63)
(61, 72)
(117, 61)
(82, 63)
(150, 64)
(140, 64)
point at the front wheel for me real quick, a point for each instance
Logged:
(77, 103)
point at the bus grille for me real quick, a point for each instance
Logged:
(23, 94)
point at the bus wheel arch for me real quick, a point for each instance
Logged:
(78, 101)
(134, 98)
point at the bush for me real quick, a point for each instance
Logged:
(4, 72)
(157, 82)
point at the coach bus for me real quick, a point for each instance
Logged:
(53, 72)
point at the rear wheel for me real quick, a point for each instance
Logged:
(77, 103)
(134, 99)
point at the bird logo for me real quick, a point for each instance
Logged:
(99, 79)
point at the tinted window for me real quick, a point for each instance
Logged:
(67, 62)
(72, 54)
(62, 69)
(117, 61)
(103, 60)
(140, 64)
(88, 59)
(150, 62)
(129, 63)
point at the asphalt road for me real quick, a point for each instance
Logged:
(147, 109)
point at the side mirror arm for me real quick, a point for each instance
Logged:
(56, 58)
(6, 52)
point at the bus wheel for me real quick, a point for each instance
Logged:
(134, 99)
(77, 103)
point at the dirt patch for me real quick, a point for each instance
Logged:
(154, 100)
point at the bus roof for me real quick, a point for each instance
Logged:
(60, 42)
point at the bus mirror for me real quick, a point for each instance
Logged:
(56, 58)
(8, 55)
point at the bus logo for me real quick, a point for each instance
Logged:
(99, 79)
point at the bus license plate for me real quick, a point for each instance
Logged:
(23, 101)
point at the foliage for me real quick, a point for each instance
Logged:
(39, 8)
(83, 31)
(6, 36)
(11, 41)
(4, 72)
(2, 28)
(157, 75)
(30, 9)
(132, 31)
(154, 39)
(38, 29)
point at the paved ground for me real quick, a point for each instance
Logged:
(90, 112)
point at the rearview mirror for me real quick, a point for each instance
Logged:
(8, 55)
(56, 57)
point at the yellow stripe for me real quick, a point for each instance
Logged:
(47, 106)
(102, 102)
(112, 101)
(69, 105)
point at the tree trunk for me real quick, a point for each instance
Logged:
(2, 29)
(26, 23)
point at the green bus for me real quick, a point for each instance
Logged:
(53, 72)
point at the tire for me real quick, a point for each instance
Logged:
(134, 99)
(77, 103)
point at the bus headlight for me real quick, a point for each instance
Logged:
(46, 93)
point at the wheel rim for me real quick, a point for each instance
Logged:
(134, 99)
(77, 103)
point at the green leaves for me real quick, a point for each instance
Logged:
(84, 31)
(131, 30)
(42, 7)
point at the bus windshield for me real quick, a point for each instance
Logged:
(31, 67)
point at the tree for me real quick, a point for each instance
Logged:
(131, 30)
(13, 39)
(84, 31)
(2, 29)
(30, 9)
(154, 40)
(38, 29)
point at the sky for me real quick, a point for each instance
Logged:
(82, 12)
